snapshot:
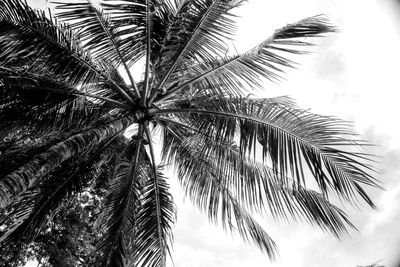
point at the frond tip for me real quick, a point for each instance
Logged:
(154, 224)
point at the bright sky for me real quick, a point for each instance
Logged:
(353, 74)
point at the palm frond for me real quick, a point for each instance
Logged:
(32, 35)
(205, 186)
(44, 102)
(154, 222)
(122, 202)
(254, 184)
(97, 33)
(130, 18)
(37, 42)
(149, 28)
(197, 32)
(376, 264)
(236, 74)
(290, 139)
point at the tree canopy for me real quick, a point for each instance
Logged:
(75, 118)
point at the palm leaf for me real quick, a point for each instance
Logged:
(122, 202)
(197, 32)
(155, 218)
(290, 139)
(130, 18)
(255, 185)
(235, 74)
(149, 28)
(46, 45)
(207, 188)
(44, 102)
(97, 32)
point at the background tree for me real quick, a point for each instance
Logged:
(70, 95)
(69, 237)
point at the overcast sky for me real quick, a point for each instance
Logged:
(353, 74)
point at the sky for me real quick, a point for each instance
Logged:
(352, 74)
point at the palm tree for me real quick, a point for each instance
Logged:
(69, 99)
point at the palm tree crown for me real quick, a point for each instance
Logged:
(69, 96)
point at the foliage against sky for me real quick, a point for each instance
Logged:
(198, 103)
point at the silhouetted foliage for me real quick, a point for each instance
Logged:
(74, 117)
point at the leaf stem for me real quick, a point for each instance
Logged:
(156, 189)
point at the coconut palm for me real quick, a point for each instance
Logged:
(72, 110)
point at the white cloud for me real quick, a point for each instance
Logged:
(387, 210)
